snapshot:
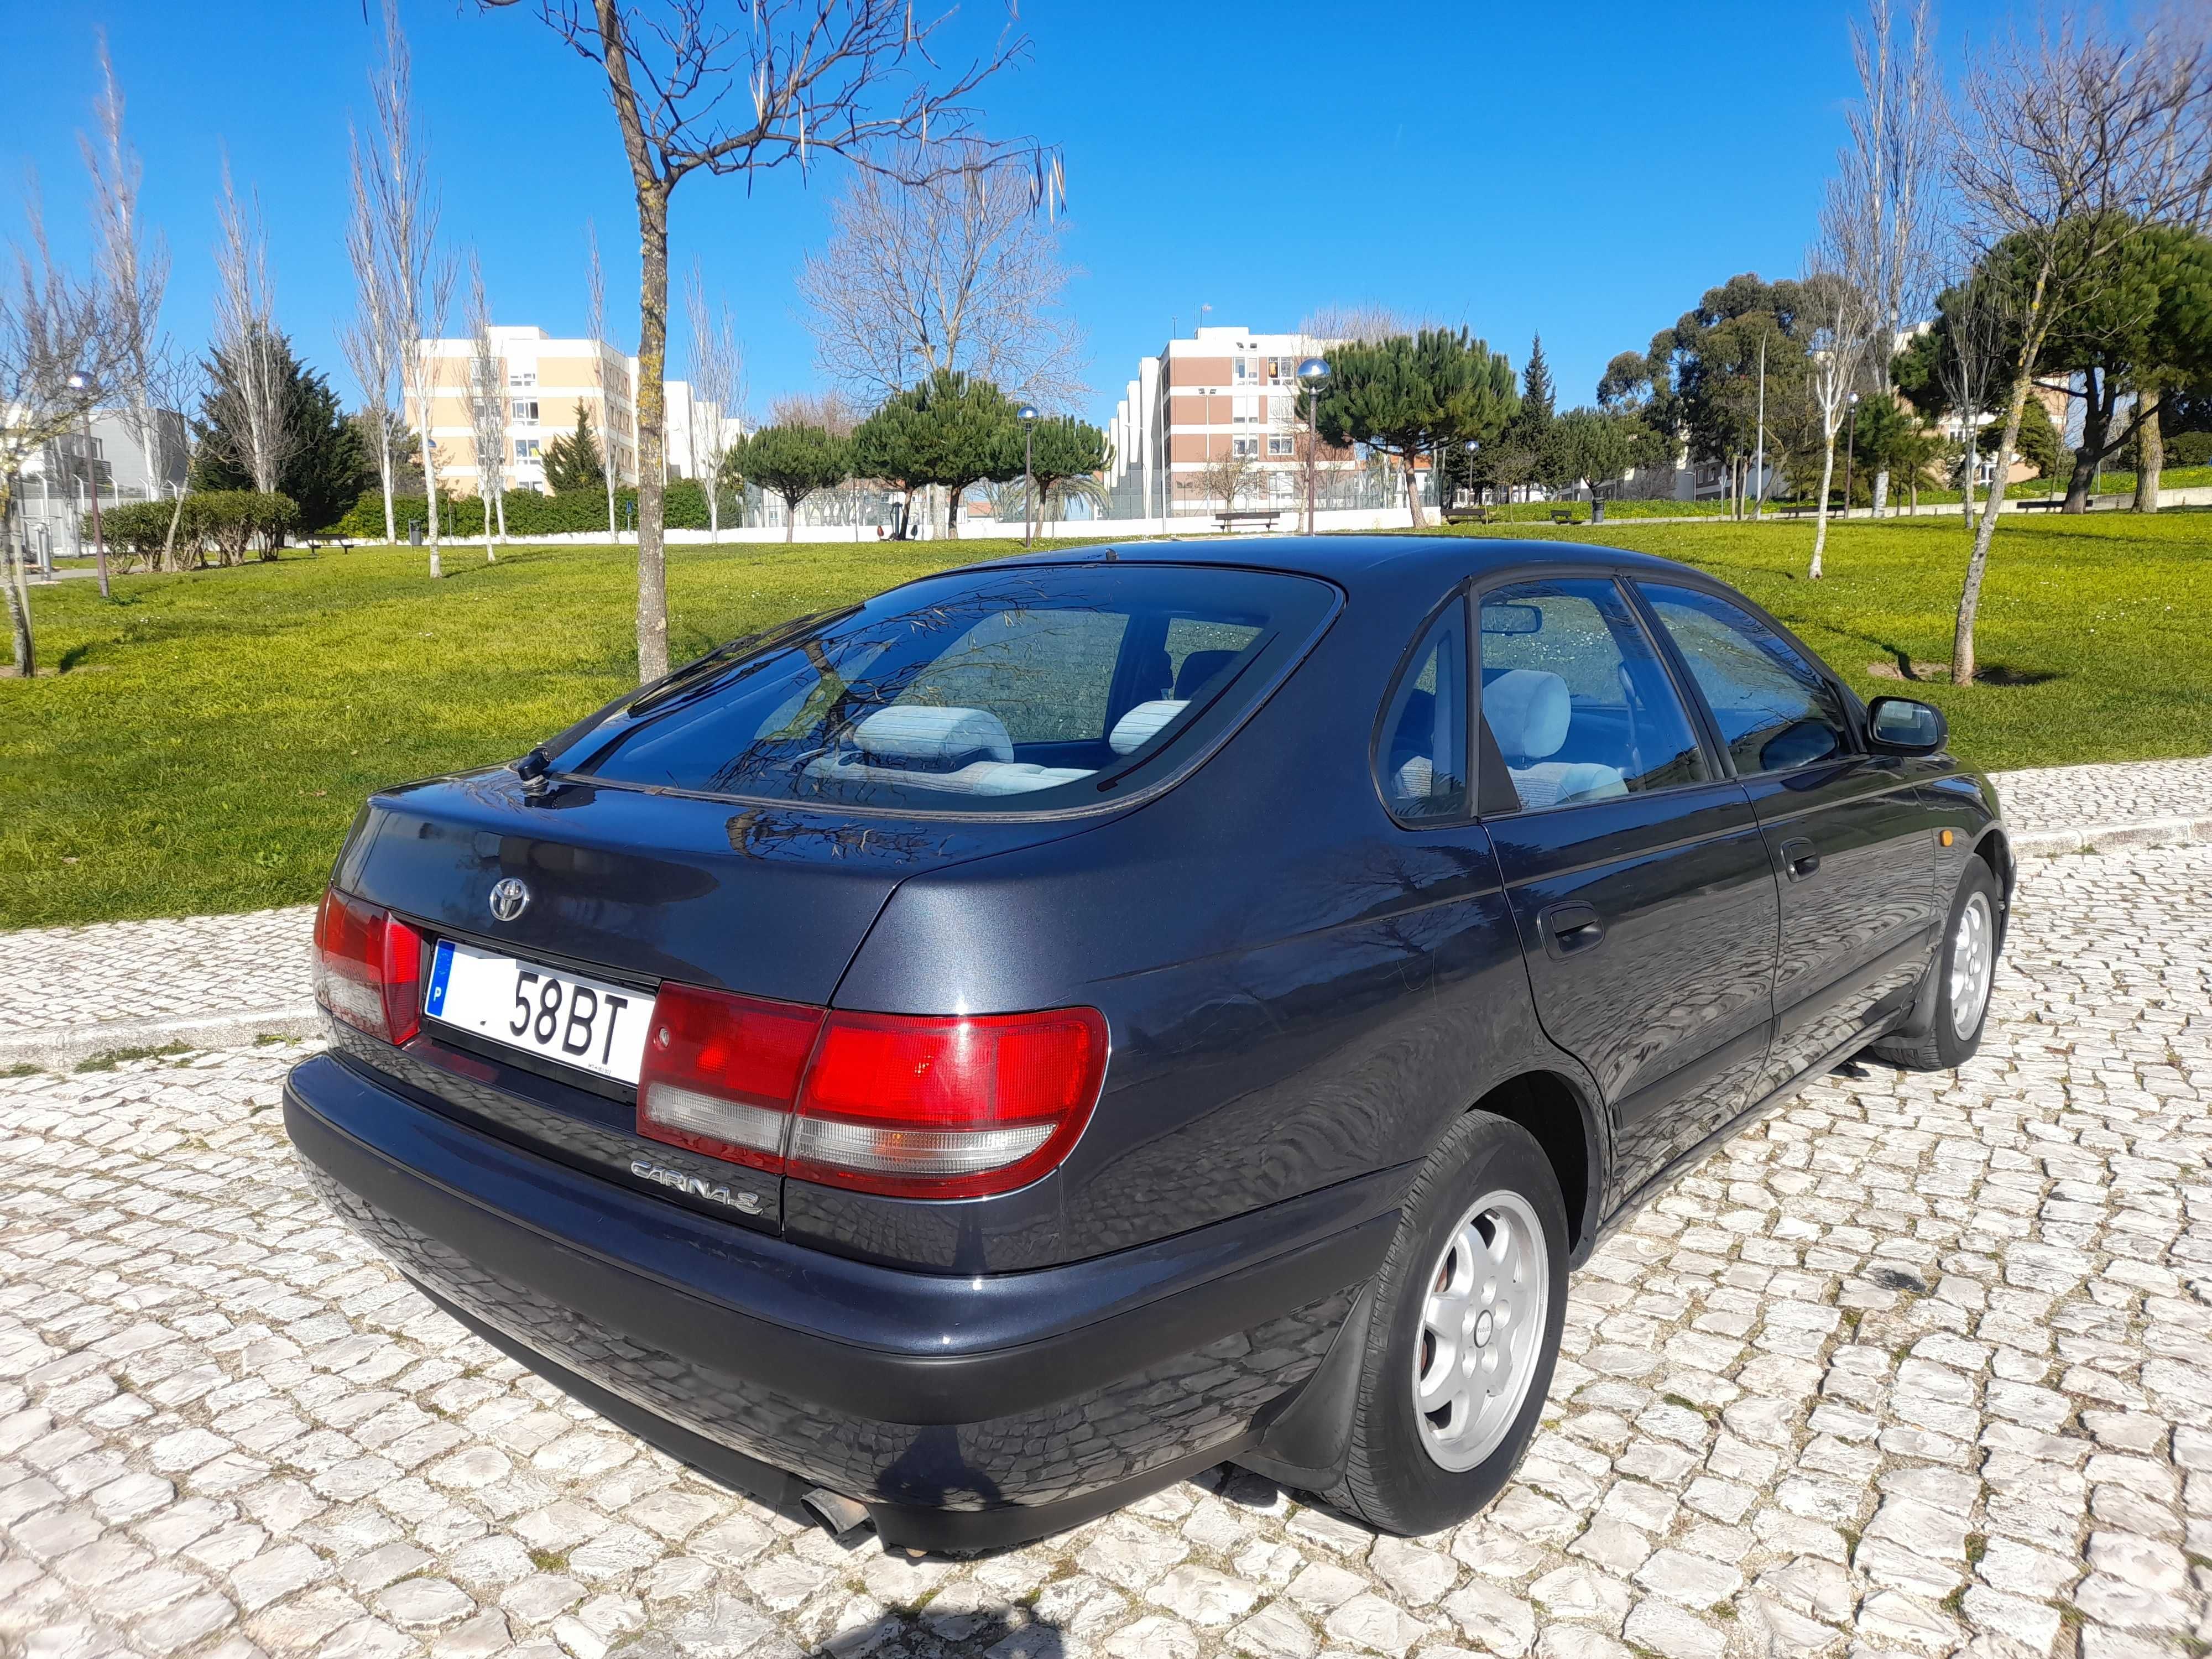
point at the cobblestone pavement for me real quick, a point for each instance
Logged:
(1922, 1365)
(2128, 792)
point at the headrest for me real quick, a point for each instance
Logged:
(918, 731)
(1198, 668)
(1529, 711)
(1142, 724)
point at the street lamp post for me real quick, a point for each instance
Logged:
(1028, 416)
(83, 382)
(1851, 443)
(1470, 447)
(1311, 372)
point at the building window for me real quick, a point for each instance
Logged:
(526, 449)
(522, 377)
(1282, 445)
(1247, 448)
(1248, 370)
(525, 412)
(1244, 410)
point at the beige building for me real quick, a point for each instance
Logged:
(543, 381)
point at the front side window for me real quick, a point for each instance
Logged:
(1575, 697)
(1775, 710)
(1421, 762)
(1027, 689)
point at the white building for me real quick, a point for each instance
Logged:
(545, 380)
(54, 494)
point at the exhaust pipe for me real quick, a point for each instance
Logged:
(837, 1513)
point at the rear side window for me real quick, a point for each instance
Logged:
(1775, 710)
(1421, 762)
(1575, 697)
(1027, 689)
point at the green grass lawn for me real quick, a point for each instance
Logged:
(211, 735)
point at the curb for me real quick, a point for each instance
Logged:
(2097, 837)
(64, 1047)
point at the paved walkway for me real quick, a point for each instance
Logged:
(78, 994)
(1922, 1366)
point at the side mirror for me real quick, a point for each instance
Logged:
(1901, 726)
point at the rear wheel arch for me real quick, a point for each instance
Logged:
(1996, 851)
(1558, 1112)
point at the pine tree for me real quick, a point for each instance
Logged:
(326, 464)
(1536, 388)
(572, 462)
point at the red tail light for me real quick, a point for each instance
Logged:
(721, 1073)
(368, 967)
(916, 1107)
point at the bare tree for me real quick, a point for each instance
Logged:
(956, 272)
(1846, 326)
(487, 399)
(1229, 478)
(2072, 142)
(1969, 367)
(595, 324)
(418, 280)
(841, 77)
(1892, 173)
(249, 399)
(135, 275)
(57, 345)
(718, 381)
(374, 349)
(828, 410)
(1364, 322)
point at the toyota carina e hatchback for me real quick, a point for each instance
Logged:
(978, 1055)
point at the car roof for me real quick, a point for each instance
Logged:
(1354, 562)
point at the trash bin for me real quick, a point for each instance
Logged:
(414, 532)
(1597, 509)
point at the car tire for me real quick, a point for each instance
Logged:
(1409, 1471)
(1963, 971)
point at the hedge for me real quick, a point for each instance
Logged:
(529, 513)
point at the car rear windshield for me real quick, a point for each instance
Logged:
(1016, 688)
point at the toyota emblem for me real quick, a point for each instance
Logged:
(509, 899)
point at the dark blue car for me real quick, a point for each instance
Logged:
(974, 1057)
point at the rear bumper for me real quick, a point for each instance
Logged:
(966, 1412)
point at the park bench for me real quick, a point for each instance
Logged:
(2043, 504)
(1564, 515)
(1261, 518)
(317, 543)
(1469, 515)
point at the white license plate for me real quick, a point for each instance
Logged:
(583, 1022)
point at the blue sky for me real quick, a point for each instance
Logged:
(1583, 169)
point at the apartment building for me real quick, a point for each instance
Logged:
(544, 381)
(1221, 392)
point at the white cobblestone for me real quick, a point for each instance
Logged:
(1920, 1365)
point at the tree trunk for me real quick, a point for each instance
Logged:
(1972, 465)
(12, 582)
(386, 466)
(1880, 489)
(2096, 429)
(714, 508)
(652, 428)
(2150, 457)
(500, 497)
(1970, 596)
(169, 540)
(1820, 512)
(484, 500)
(790, 519)
(429, 484)
(1413, 494)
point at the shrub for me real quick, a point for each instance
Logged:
(2189, 449)
(530, 513)
(139, 528)
(232, 519)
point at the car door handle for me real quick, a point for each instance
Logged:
(1568, 929)
(1800, 859)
